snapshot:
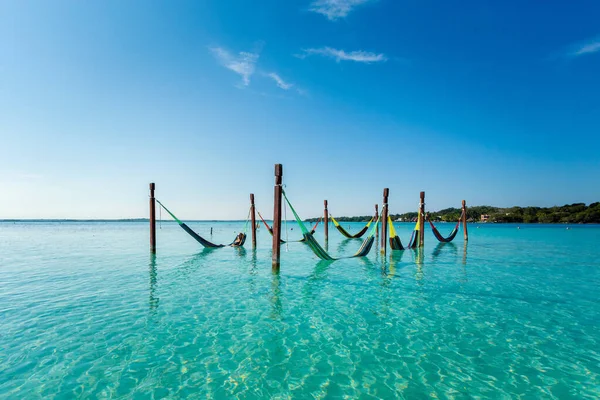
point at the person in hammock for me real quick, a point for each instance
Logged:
(239, 239)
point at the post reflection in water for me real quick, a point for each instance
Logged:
(386, 298)
(253, 273)
(276, 306)
(418, 259)
(253, 269)
(464, 277)
(153, 300)
(418, 255)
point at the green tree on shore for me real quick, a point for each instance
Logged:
(576, 213)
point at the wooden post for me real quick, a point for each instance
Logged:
(152, 220)
(422, 220)
(384, 217)
(277, 216)
(376, 215)
(464, 219)
(253, 219)
(326, 221)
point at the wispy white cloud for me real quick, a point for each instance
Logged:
(243, 64)
(589, 47)
(334, 9)
(341, 55)
(280, 82)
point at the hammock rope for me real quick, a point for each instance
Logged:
(364, 249)
(238, 242)
(439, 236)
(287, 239)
(346, 233)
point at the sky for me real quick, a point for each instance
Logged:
(497, 103)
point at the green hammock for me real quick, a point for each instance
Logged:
(346, 233)
(238, 242)
(309, 239)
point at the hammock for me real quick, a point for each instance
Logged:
(364, 249)
(396, 243)
(265, 222)
(238, 242)
(345, 232)
(313, 230)
(437, 234)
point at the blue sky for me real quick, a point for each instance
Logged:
(493, 102)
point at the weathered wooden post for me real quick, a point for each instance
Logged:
(253, 219)
(464, 219)
(422, 220)
(326, 221)
(376, 215)
(384, 218)
(277, 216)
(152, 220)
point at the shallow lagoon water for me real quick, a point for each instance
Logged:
(86, 312)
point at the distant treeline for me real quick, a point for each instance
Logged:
(569, 213)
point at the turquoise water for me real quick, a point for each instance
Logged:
(85, 312)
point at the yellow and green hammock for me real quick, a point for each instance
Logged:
(396, 243)
(346, 233)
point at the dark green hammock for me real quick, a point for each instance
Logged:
(439, 236)
(346, 233)
(238, 242)
(310, 240)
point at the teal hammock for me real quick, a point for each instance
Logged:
(238, 242)
(309, 239)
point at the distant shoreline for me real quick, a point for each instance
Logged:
(137, 220)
